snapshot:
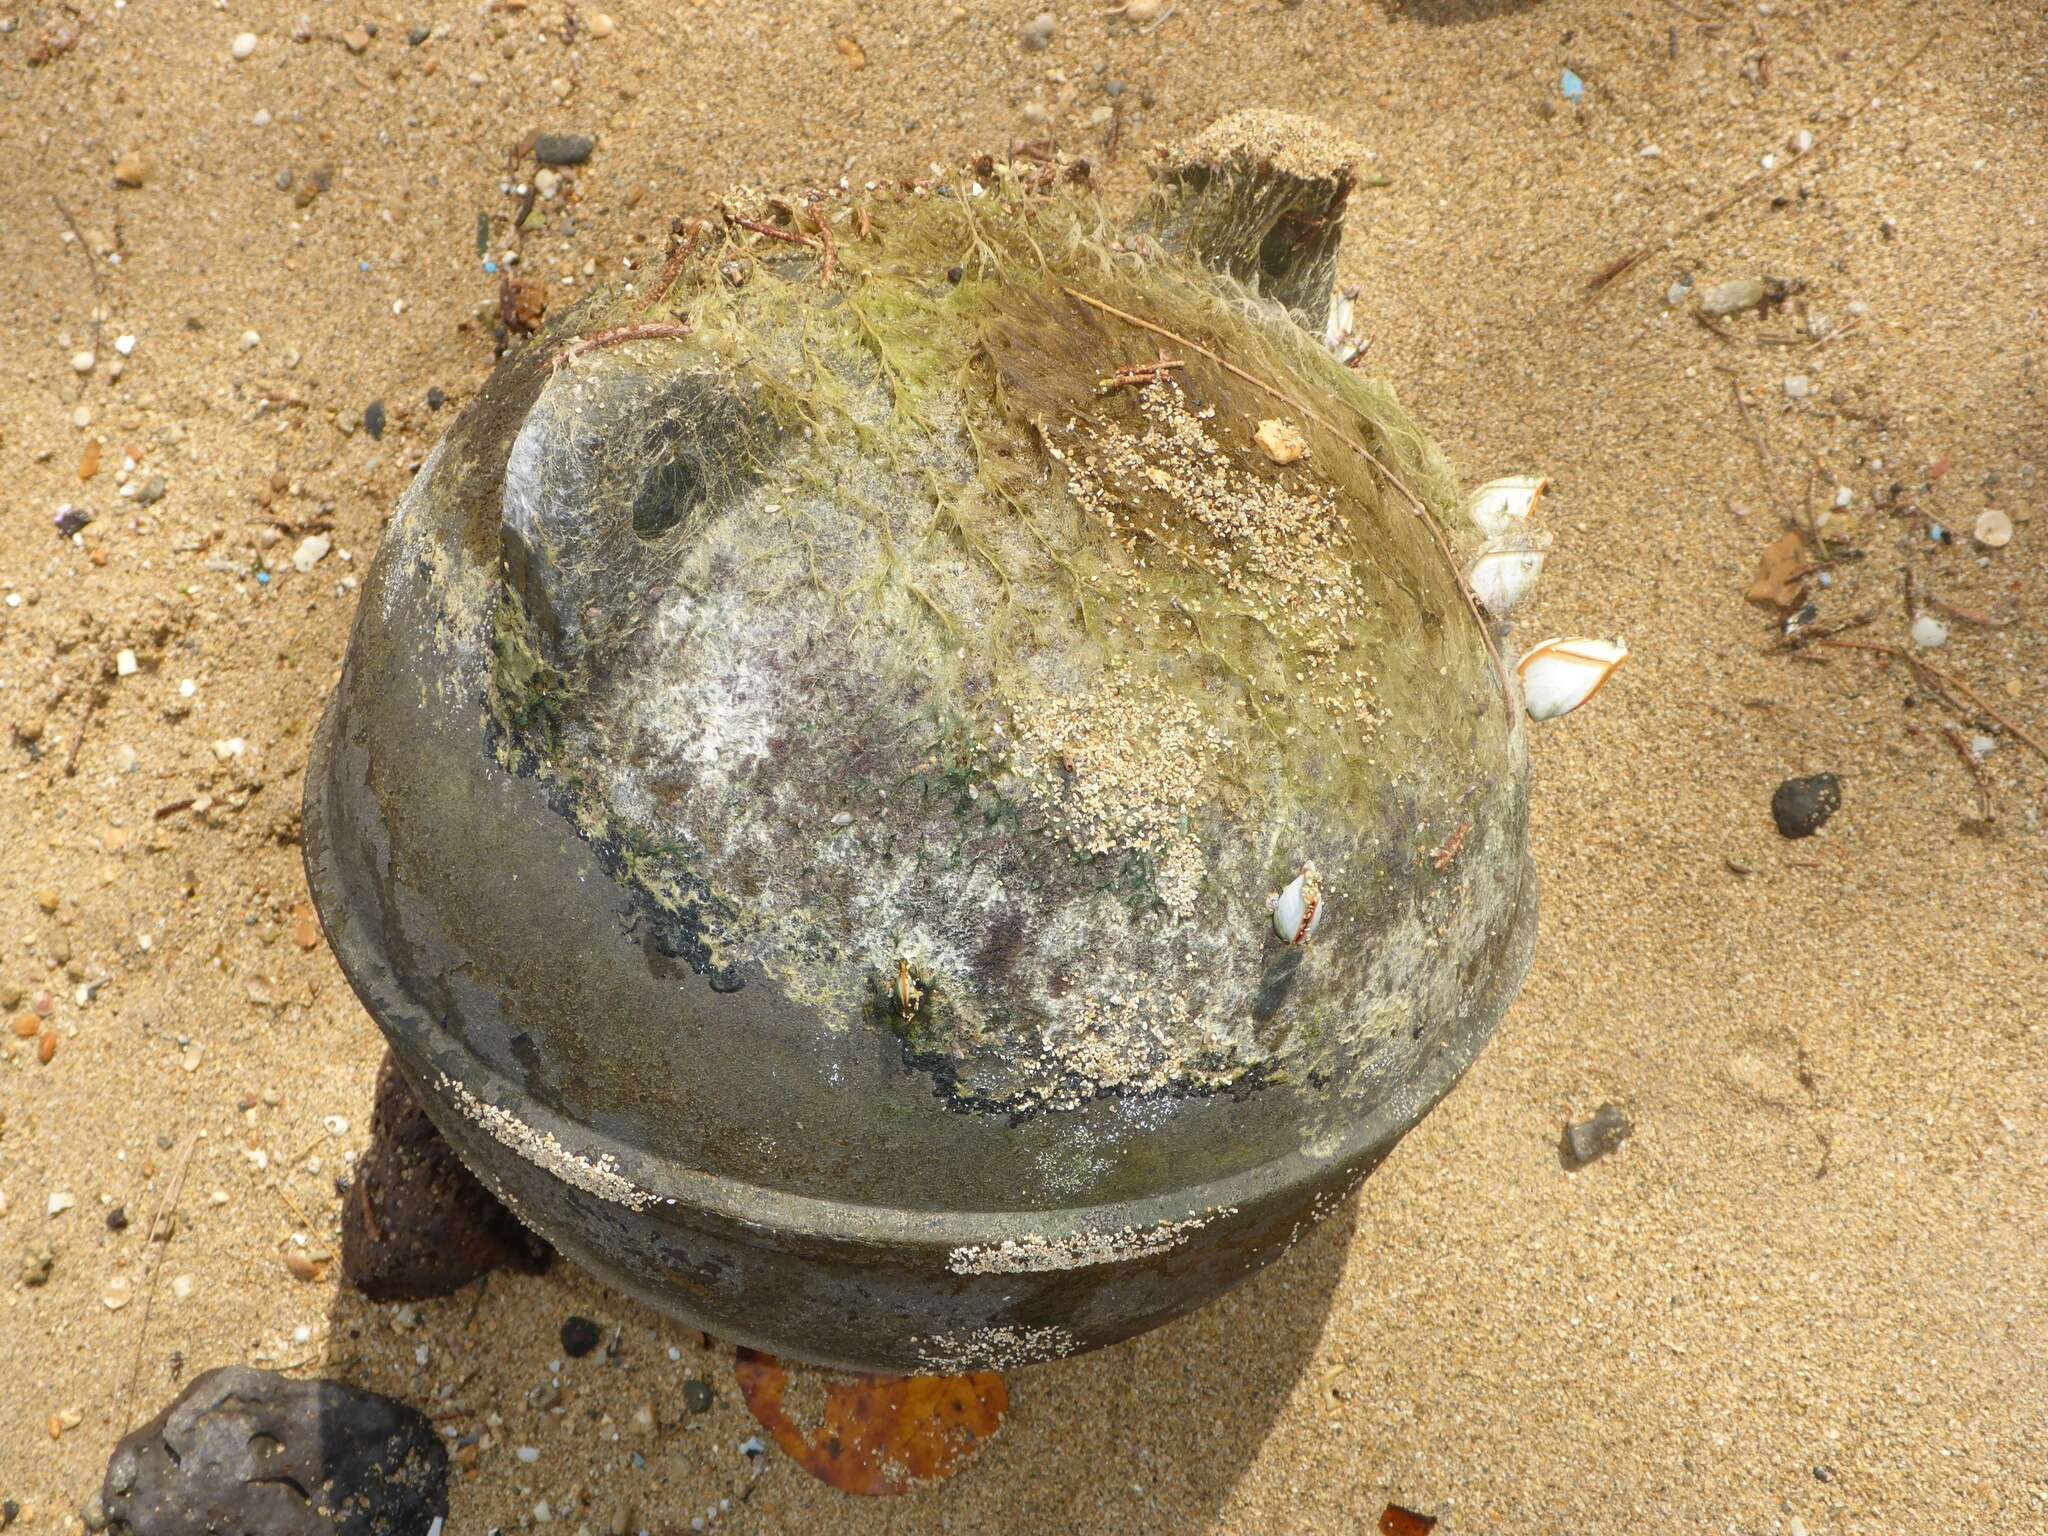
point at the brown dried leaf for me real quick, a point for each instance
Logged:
(855, 55)
(1781, 572)
(881, 1435)
(1397, 1521)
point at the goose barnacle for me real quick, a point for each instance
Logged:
(1504, 572)
(1503, 506)
(1560, 675)
(1299, 908)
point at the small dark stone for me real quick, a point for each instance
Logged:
(697, 1395)
(284, 179)
(249, 1450)
(436, 398)
(9, 1512)
(579, 1337)
(417, 1224)
(954, 274)
(94, 1514)
(1801, 807)
(117, 1219)
(373, 418)
(1588, 1140)
(72, 520)
(1823, 1474)
(563, 148)
(418, 35)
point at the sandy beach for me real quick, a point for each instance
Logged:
(1810, 1291)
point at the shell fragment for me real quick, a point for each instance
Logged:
(1560, 675)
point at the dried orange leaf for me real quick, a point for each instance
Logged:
(1397, 1521)
(872, 1435)
(1781, 572)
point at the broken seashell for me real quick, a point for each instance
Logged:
(1298, 909)
(1504, 572)
(1502, 506)
(1560, 675)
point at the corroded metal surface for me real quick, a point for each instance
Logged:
(807, 796)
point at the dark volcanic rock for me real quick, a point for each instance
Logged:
(417, 1223)
(246, 1451)
(1801, 807)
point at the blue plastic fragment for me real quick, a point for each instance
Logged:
(1573, 87)
(1937, 533)
(491, 267)
(263, 578)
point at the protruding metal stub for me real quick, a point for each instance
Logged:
(1261, 196)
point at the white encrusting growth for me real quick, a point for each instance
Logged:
(1035, 1254)
(598, 1175)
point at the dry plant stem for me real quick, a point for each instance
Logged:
(761, 228)
(672, 268)
(1786, 643)
(1750, 185)
(619, 335)
(92, 265)
(92, 705)
(1415, 502)
(1985, 811)
(166, 1207)
(1954, 689)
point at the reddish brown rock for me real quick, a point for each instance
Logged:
(417, 1223)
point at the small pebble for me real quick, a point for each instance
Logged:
(311, 551)
(117, 1219)
(1733, 298)
(697, 1395)
(81, 362)
(373, 418)
(1929, 633)
(601, 25)
(1801, 807)
(125, 345)
(579, 1337)
(243, 45)
(1037, 35)
(125, 664)
(1588, 1140)
(563, 148)
(1798, 386)
(60, 1201)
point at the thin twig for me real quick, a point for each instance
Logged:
(99, 292)
(1985, 812)
(618, 335)
(1820, 632)
(166, 1207)
(92, 707)
(1420, 507)
(761, 228)
(672, 268)
(1952, 688)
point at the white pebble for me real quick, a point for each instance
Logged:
(528, 1454)
(601, 25)
(311, 551)
(187, 688)
(336, 1125)
(125, 664)
(243, 45)
(1929, 632)
(1843, 496)
(61, 1201)
(1798, 386)
(251, 340)
(1858, 308)
(260, 118)
(125, 345)
(1802, 141)
(81, 362)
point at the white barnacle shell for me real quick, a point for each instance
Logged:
(1503, 506)
(1298, 909)
(1560, 675)
(1504, 572)
(1339, 336)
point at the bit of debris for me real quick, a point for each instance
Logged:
(1589, 1140)
(1281, 440)
(1801, 807)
